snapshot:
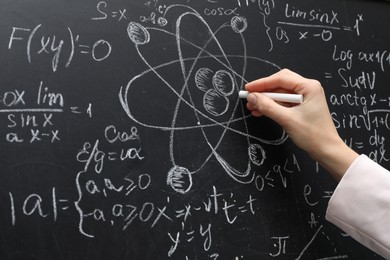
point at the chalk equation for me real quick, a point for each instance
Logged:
(302, 23)
(61, 50)
(31, 117)
(155, 156)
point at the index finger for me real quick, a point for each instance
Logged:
(284, 79)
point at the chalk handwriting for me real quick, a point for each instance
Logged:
(51, 45)
(218, 86)
(32, 117)
(214, 172)
(105, 13)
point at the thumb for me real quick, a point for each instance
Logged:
(266, 106)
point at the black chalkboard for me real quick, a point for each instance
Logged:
(123, 137)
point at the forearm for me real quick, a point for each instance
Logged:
(335, 156)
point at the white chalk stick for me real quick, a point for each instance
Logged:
(281, 97)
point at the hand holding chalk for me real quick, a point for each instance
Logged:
(309, 125)
(303, 122)
(281, 97)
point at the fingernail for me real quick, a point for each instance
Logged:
(252, 99)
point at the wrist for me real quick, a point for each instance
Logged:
(336, 157)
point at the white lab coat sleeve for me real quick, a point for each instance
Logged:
(360, 205)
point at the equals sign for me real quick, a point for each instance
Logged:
(328, 194)
(75, 110)
(328, 75)
(64, 207)
(359, 145)
(347, 28)
(242, 208)
(87, 47)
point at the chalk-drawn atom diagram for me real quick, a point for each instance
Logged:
(218, 89)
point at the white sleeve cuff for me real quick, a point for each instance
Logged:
(360, 205)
